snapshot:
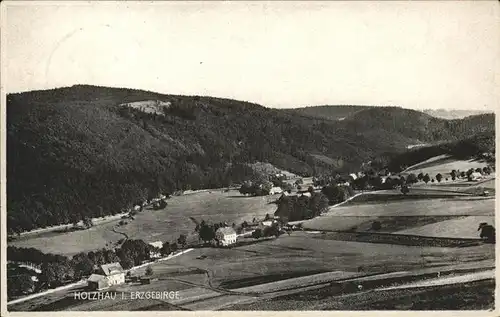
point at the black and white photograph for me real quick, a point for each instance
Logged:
(249, 156)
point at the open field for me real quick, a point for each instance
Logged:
(153, 225)
(465, 227)
(453, 206)
(454, 217)
(443, 164)
(416, 193)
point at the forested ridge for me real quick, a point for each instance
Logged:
(78, 152)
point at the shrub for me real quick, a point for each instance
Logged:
(257, 233)
(376, 225)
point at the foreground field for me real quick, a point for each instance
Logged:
(154, 225)
(477, 295)
(297, 264)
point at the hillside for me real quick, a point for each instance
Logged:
(87, 151)
(336, 113)
(453, 114)
(341, 112)
(417, 125)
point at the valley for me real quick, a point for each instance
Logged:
(86, 195)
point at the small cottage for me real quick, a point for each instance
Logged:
(155, 249)
(268, 223)
(225, 236)
(275, 190)
(97, 282)
(476, 176)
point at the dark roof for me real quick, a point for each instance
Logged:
(226, 230)
(112, 268)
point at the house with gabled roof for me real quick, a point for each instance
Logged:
(113, 273)
(225, 236)
(154, 250)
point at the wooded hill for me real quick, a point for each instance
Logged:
(81, 151)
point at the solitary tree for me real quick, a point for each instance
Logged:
(376, 225)
(453, 174)
(411, 179)
(426, 178)
(173, 247)
(487, 232)
(87, 222)
(207, 233)
(165, 250)
(149, 271)
(257, 233)
(420, 176)
(439, 177)
(405, 190)
(182, 240)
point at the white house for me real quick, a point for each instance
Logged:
(275, 190)
(155, 253)
(307, 194)
(353, 176)
(268, 223)
(225, 236)
(114, 273)
(476, 176)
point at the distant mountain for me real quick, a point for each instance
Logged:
(328, 112)
(416, 125)
(87, 151)
(453, 114)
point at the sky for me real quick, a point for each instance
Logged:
(419, 55)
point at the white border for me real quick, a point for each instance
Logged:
(3, 293)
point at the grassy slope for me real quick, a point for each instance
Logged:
(402, 216)
(163, 225)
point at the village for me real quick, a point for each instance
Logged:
(297, 200)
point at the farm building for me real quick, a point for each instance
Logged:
(268, 223)
(225, 236)
(145, 280)
(97, 282)
(114, 273)
(275, 190)
(154, 252)
(476, 176)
